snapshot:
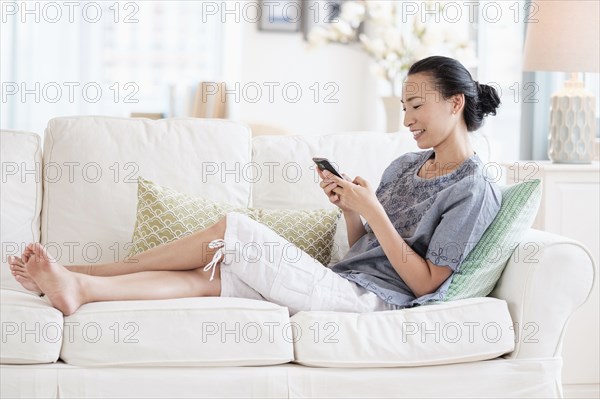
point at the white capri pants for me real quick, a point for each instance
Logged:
(260, 264)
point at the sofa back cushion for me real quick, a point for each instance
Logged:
(91, 168)
(21, 199)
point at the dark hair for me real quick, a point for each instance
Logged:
(450, 78)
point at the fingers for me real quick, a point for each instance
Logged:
(360, 181)
(334, 178)
(328, 186)
(320, 173)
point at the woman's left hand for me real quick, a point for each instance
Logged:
(357, 195)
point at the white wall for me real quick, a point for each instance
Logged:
(255, 57)
(284, 59)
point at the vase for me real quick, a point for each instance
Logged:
(572, 124)
(393, 113)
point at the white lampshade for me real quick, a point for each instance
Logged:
(564, 37)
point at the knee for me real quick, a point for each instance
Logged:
(200, 282)
(220, 226)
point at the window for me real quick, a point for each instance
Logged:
(110, 58)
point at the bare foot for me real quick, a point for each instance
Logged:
(61, 286)
(17, 268)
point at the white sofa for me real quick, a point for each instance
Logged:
(78, 196)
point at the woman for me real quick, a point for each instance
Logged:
(429, 211)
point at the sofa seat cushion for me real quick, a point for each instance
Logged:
(208, 331)
(453, 332)
(32, 329)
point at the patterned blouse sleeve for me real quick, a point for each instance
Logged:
(471, 207)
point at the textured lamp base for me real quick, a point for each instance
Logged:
(572, 125)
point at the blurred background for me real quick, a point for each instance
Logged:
(149, 58)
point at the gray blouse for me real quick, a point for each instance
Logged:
(441, 219)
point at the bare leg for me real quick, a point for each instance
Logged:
(186, 253)
(67, 291)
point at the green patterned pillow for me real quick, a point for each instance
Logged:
(481, 269)
(164, 215)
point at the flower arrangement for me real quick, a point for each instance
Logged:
(395, 41)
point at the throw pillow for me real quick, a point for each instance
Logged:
(164, 215)
(481, 269)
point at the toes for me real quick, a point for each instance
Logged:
(21, 274)
(18, 268)
(41, 253)
(17, 260)
(27, 253)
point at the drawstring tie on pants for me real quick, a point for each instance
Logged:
(220, 243)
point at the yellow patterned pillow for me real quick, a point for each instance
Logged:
(164, 215)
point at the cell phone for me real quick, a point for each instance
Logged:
(324, 164)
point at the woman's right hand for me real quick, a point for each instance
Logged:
(328, 186)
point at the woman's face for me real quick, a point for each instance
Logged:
(427, 114)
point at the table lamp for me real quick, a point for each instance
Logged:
(564, 36)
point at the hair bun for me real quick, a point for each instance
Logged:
(489, 100)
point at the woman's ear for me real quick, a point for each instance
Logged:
(458, 102)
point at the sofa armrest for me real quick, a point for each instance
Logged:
(546, 279)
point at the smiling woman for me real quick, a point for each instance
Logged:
(442, 103)
(436, 203)
(439, 79)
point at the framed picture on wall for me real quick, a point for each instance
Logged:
(280, 16)
(318, 13)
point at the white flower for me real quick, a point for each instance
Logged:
(433, 35)
(318, 36)
(378, 71)
(393, 42)
(393, 39)
(353, 12)
(381, 11)
(343, 31)
(376, 47)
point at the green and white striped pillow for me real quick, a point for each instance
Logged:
(481, 269)
(164, 215)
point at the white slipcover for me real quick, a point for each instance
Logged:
(21, 199)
